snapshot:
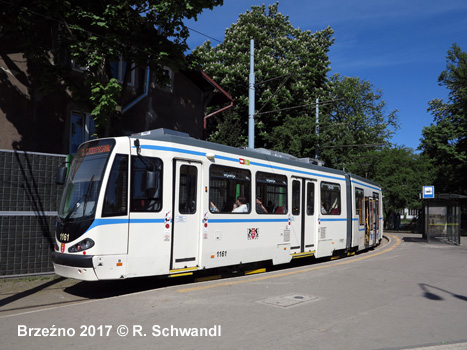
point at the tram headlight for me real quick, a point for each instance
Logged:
(81, 246)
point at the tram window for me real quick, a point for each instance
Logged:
(359, 198)
(226, 186)
(376, 209)
(310, 198)
(295, 197)
(116, 194)
(272, 189)
(330, 199)
(188, 185)
(141, 199)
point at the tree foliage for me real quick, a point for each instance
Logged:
(401, 173)
(290, 68)
(445, 141)
(357, 122)
(92, 34)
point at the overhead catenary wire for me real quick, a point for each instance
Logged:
(275, 92)
(301, 106)
(357, 145)
(271, 79)
(207, 36)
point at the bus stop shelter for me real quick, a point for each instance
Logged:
(443, 217)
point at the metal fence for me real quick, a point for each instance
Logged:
(29, 199)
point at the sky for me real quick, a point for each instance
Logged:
(399, 46)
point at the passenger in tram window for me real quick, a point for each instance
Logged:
(138, 205)
(324, 205)
(229, 205)
(260, 209)
(240, 205)
(279, 210)
(213, 208)
(270, 207)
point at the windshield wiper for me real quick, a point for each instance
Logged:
(88, 193)
(76, 206)
(78, 203)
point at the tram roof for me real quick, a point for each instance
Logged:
(172, 136)
(361, 178)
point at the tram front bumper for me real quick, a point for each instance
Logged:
(77, 273)
(78, 267)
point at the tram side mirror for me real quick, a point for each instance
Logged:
(151, 183)
(60, 176)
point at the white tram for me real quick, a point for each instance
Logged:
(160, 203)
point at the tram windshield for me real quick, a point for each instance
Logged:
(84, 181)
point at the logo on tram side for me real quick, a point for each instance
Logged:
(252, 233)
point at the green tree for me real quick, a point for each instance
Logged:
(445, 141)
(402, 173)
(92, 34)
(357, 122)
(290, 68)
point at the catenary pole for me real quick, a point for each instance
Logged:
(317, 129)
(251, 98)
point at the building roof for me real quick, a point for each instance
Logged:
(218, 95)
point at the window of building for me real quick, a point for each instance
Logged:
(76, 67)
(82, 129)
(116, 194)
(330, 198)
(229, 190)
(118, 69)
(169, 84)
(142, 199)
(272, 192)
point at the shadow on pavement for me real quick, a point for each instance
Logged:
(106, 289)
(29, 292)
(414, 239)
(427, 293)
(433, 240)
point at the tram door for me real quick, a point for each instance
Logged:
(372, 222)
(303, 221)
(187, 214)
(376, 217)
(367, 221)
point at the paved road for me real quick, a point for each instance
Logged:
(404, 295)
